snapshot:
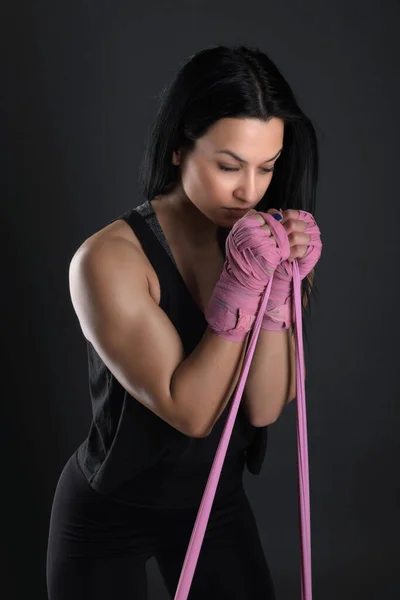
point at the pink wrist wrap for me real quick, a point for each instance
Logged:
(251, 259)
(279, 314)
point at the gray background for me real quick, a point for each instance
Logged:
(80, 86)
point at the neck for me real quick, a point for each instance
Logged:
(189, 222)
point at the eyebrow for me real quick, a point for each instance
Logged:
(242, 159)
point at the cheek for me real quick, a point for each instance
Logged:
(220, 184)
(206, 182)
(216, 181)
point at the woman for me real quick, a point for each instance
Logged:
(153, 294)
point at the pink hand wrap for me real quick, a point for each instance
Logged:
(279, 313)
(251, 259)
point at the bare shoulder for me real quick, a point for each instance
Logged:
(118, 242)
(114, 232)
(111, 261)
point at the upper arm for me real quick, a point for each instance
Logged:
(130, 332)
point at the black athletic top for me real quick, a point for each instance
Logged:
(132, 454)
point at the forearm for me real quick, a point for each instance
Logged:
(271, 382)
(203, 383)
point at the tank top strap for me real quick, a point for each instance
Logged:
(147, 212)
(145, 225)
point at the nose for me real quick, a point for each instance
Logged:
(248, 190)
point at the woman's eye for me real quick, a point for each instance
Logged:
(227, 168)
(234, 169)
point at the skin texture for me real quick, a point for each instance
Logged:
(198, 203)
(115, 291)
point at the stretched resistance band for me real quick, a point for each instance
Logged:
(203, 515)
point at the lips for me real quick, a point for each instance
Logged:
(238, 210)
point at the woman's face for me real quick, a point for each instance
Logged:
(231, 167)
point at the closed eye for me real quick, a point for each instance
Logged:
(233, 169)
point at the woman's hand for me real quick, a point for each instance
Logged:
(295, 229)
(305, 245)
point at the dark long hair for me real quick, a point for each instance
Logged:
(242, 82)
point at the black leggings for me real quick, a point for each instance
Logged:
(97, 548)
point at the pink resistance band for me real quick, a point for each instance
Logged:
(200, 526)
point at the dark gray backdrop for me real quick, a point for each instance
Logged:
(80, 88)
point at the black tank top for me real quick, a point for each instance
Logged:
(130, 453)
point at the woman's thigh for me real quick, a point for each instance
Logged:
(231, 563)
(119, 578)
(96, 549)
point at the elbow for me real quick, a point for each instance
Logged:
(271, 418)
(264, 422)
(200, 429)
(196, 429)
(190, 430)
(199, 433)
(203, 431)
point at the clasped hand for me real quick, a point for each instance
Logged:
(304, 238)
(303, 235)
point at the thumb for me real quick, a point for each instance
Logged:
(278, 213)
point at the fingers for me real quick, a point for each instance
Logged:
(298, 238)
(292, 215)
(267, 229)
(297, 251)
(294, 227)
(274, 211)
